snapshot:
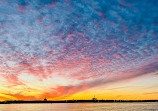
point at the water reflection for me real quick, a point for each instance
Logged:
(81, 107)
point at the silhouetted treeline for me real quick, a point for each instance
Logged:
(76, 101)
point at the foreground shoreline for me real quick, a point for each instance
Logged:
(76, 101)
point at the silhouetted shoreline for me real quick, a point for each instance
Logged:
(76, 101)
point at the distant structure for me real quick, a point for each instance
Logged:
(45, 99)
(94, 99)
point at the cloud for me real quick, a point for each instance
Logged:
(18, 97)
(89, 42)
(69, 90)
(152, 93)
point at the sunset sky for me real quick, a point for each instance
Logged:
(75, 49)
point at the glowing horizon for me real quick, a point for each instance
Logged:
(75, 49)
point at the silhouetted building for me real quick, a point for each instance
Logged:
(94, 99)
(45, 99)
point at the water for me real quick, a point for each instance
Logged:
(81, 107)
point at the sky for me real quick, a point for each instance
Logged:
(75, 49)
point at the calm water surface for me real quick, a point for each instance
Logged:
(81, 107)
